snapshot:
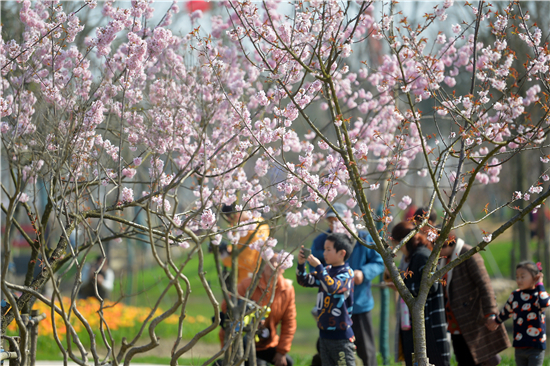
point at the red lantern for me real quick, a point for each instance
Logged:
(197, 5)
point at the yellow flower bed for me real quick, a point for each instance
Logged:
(117, 316)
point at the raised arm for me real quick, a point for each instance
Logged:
(306, 279)
(544, 299)
(333, 285)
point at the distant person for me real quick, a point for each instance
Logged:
(526, 306)
(248, 258)
(366, 264)
(270, 346)
(469, 304)
(420, 215)
(417, 250)
(402, 314)
(105, 280)
(410, 213)
(334, 300)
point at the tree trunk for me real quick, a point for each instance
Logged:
(420, 357)
(384, 322)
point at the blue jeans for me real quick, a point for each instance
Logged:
(529, 356)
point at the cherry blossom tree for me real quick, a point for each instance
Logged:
(138, 133)
(129, 135)
(461, 106)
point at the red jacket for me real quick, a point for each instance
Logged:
(283, 311)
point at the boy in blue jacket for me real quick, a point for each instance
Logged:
(367, 264)
(334, 300)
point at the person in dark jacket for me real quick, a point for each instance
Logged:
(417, 250)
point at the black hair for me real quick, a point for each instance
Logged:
(529, 266)
(228, 209)
(420, 215)
(341, 241)
(400, 232)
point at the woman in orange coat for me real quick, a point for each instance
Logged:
(272, 347)
(248, 259)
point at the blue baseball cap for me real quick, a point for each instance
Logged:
(340, 208)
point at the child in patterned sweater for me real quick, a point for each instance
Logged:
(334, 300)
(526, 306)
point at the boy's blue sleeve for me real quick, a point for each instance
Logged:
(374, 264)
(306, 279)
(317, 249)
(333, 285)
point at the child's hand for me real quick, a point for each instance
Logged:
(539, 277)
(301, 258)
(313, 260)
(279, 359)
(491, 323)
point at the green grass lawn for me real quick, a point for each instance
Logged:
(499, 261)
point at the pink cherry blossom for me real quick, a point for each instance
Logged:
(208, 219)
(127, 194)
(129, 172)
(23, 197)
(285, 260)
(405, 202)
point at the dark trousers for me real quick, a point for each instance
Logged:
(529, 356)
(268, 355)
(364, 338)
(337, 352)
(462, 351)
(464, 356)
